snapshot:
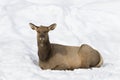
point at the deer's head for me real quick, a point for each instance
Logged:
(42, 32)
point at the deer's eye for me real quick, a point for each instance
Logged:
(38, 31)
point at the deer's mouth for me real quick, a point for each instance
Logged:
(42, 45)
(42, 41)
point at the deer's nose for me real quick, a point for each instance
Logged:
(42, 37)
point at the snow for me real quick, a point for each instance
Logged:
(94, 22)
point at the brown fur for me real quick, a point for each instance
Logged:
(61, 57)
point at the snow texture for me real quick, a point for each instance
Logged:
(93, 22)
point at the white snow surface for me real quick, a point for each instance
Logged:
(93, 22)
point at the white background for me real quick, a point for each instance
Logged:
(93, 22)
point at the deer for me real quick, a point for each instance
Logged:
(62, 57)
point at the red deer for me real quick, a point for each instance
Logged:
(61, 57)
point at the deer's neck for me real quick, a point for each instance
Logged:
(44, 50)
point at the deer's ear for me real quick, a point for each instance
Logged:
(52, 26)
(34, 27)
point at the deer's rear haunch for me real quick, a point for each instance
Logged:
(61, 57)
